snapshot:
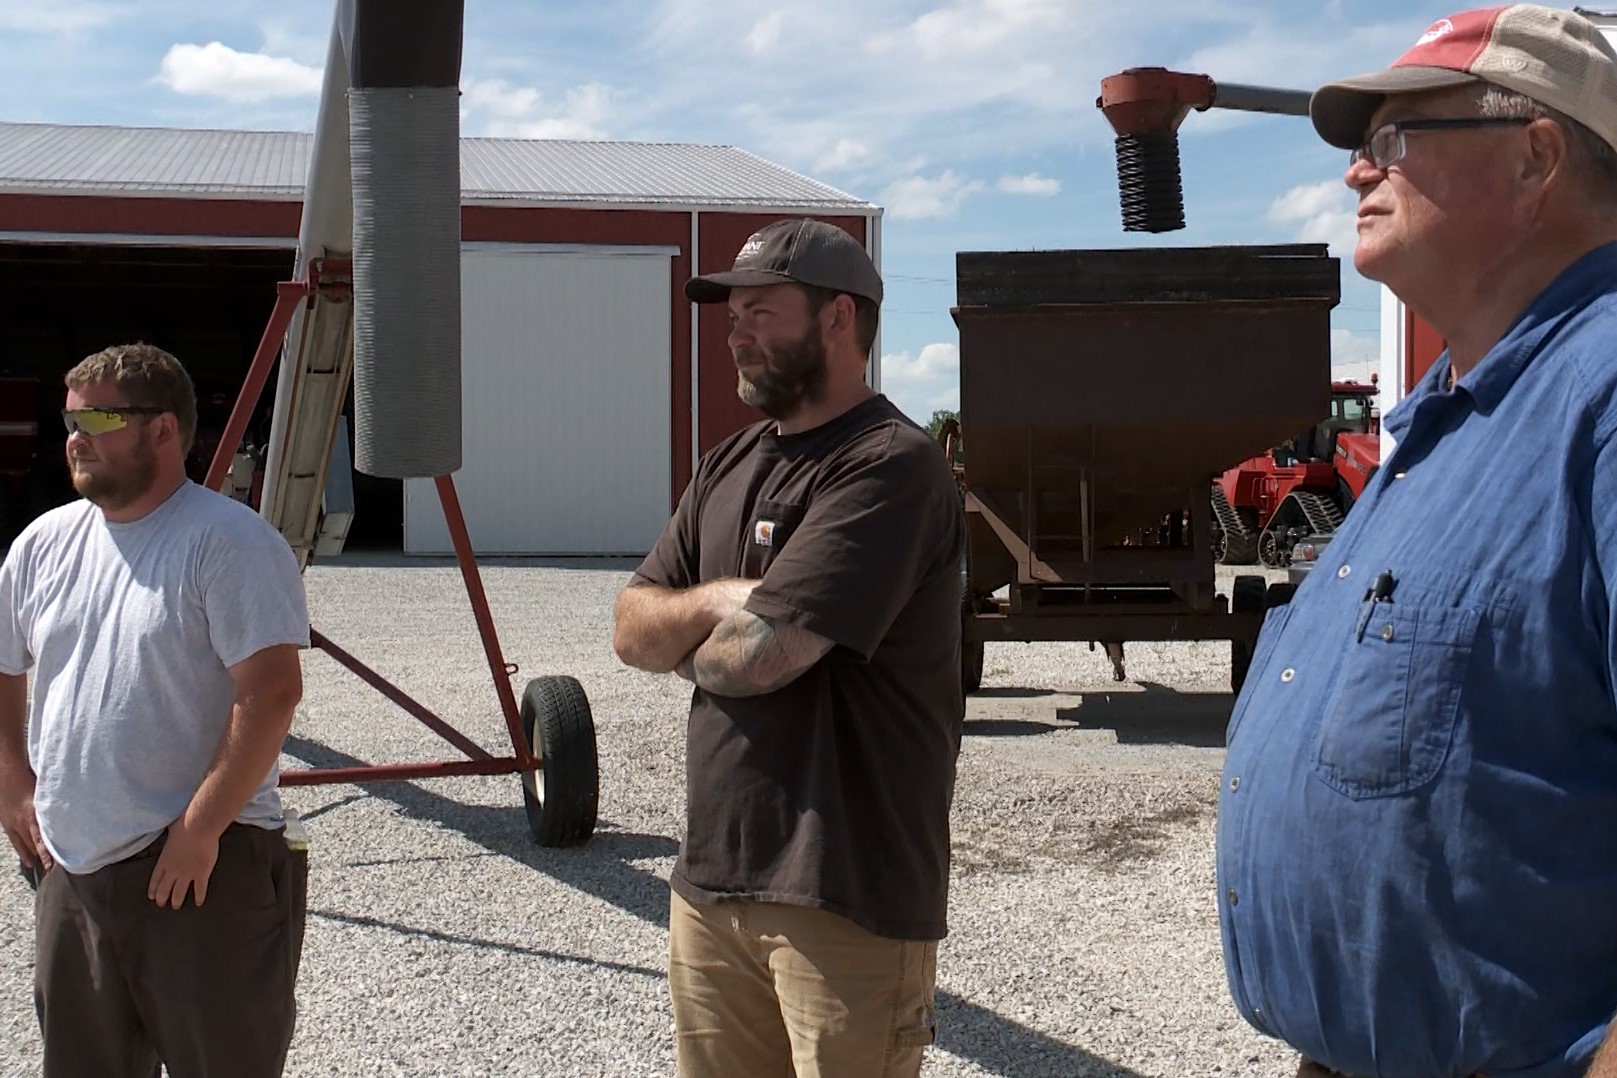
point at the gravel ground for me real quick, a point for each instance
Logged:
(442, 941)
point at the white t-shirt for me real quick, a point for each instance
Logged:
(130, 630)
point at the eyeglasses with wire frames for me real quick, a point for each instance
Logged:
(94, 421)
(1386, 143)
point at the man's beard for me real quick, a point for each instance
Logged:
(791, 376)
(115, 487)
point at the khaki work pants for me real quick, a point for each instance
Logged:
(767, 990)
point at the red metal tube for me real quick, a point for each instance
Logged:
(503, 765)
(1152, 100)
(398, 696)
(288, 295)
(485, 619)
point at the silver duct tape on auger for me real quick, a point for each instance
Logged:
(405, 151)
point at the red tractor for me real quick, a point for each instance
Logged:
(1264, 506)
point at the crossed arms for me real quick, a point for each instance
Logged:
(705, 635)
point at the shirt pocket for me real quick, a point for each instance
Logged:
(768, 530)
(1274, 624)
(1391, 719)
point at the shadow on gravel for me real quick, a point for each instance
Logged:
(1157, 716)
(1012, 1050)
(1007, 728)
(601, 868)
(492, 945)
(1011, 692)
(393, 559)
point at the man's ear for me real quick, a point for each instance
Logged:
(843, 313)
(1546, 159)
(168, 427)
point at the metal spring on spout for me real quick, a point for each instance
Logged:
(1148, 181)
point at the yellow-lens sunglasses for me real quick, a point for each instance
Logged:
(93, 421)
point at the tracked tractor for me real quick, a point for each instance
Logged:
(1265, 505)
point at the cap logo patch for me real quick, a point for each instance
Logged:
(1440, 28)
(749, 249)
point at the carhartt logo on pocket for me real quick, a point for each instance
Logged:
(763, 533)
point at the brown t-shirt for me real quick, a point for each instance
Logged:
(834, 791)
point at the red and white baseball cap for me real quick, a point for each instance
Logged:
(1556, 57)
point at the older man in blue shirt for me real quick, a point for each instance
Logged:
(1417, 835)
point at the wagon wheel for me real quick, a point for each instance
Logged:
(1270, 550)
(971, 651)
(562, 796)
(1247, 595)
(1240, 550)
(971, 666)
(1279, 594)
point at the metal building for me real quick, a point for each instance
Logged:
(590, 385)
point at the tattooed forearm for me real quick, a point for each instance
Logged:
(747, 655)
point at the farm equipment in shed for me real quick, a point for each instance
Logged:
(1101, 391)
(19, 434)
(1304, 486)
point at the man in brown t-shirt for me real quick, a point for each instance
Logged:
(809, 586)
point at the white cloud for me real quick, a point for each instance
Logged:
(913, 75)
(1354, 355)
(1031, 184)
(1292, 52)
(1309, 200)
(495, 107)
(498, 98)
(60, 17)
(285, 36)
(217, 70)
(921, 384)
(975, 27)
(918, 197)
(1324, 212)
(766, 33)
(935, 361)
(845, 154)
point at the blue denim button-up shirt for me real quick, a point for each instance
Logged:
(1417, 831)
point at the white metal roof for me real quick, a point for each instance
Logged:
(177, 162)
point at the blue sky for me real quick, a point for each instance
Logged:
(971, 122)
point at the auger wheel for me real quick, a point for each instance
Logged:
(1272, 551)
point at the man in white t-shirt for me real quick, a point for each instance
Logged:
(161, 622)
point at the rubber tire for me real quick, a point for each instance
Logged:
(1241, 550)
(1234, 549)
(563, 797)
(1246, 594)
(1279, 594)
(971, 666)
(1277, 559)
(1246, 597)
(971, 652)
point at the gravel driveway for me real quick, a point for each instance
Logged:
(442, 941)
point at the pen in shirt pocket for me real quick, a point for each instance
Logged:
(1379, 591)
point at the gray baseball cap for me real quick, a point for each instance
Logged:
(804, 251)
